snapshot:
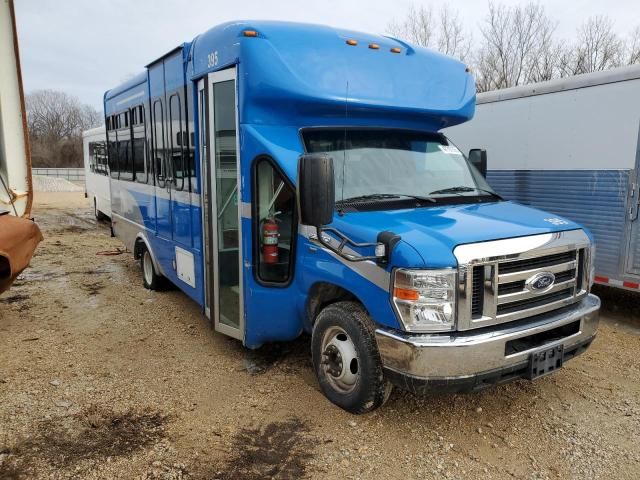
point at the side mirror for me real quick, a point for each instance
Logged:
(478, 159)
(316, 189)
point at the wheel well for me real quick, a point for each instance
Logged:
(139, 248)
(323, 294)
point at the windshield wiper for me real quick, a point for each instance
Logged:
(462, 188)
(385, 196)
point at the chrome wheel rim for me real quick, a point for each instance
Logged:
(340, 363)
(147, 267)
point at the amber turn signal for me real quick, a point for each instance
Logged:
(250, 33)
(405, 294)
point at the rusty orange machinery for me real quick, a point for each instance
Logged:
(19, 238)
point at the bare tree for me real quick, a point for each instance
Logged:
(56, 115)
(599, 47)
(417, 27)
(442, 30)
(518, 44)
(56, 121)
(633, 47)
(452, 39)
(517, 47)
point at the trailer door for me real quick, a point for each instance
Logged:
(633, 259)
(223, 228)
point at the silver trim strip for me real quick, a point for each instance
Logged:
(520, 247)
(530, 312)
(527, 294)
(525, 274)
(369, 270)
(213, 78)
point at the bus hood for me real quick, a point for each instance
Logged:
(433, 232)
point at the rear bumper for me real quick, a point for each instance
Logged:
(473, 360)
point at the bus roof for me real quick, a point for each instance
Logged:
(314, 68)
(94, 131)
(123, 87)
(302, 74)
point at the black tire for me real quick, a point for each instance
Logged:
(371, 389)
(151, 280)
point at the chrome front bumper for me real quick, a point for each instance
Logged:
(477, 358)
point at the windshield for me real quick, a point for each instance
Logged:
(382, 164)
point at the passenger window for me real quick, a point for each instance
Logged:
(125, 160)
(275, 211)
(92, 158)
(113, 153)
(175, 126)
(139, 143)
(158, 143)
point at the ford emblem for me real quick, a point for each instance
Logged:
(541, 282)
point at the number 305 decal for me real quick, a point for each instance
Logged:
(212, 59)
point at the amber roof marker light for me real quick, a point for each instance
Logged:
(374, 46)
(395, 50)
(250, 33)
(352, 42)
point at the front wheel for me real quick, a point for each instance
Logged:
(346, 358)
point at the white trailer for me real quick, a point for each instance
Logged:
(572, 147)
(94, 147)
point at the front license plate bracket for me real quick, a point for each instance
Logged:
(545, 361)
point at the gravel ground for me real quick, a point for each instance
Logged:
(101, 379)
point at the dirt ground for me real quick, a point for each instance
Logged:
(100, 378)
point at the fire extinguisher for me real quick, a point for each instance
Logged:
(270, 236)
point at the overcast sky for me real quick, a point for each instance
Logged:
(85, 47)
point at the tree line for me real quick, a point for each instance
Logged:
(518, 44)
(56, 121)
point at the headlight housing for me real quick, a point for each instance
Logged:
(425, 300)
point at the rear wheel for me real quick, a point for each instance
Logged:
(346, 358)
(150, 278)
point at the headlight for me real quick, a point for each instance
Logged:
(425, 300)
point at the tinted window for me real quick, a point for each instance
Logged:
(158, 143)
(275, 207)
(113, 153)
(98, 157)
(175, 133)
(139, 144)
(125, 159)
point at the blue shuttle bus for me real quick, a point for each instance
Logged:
(293, 178)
